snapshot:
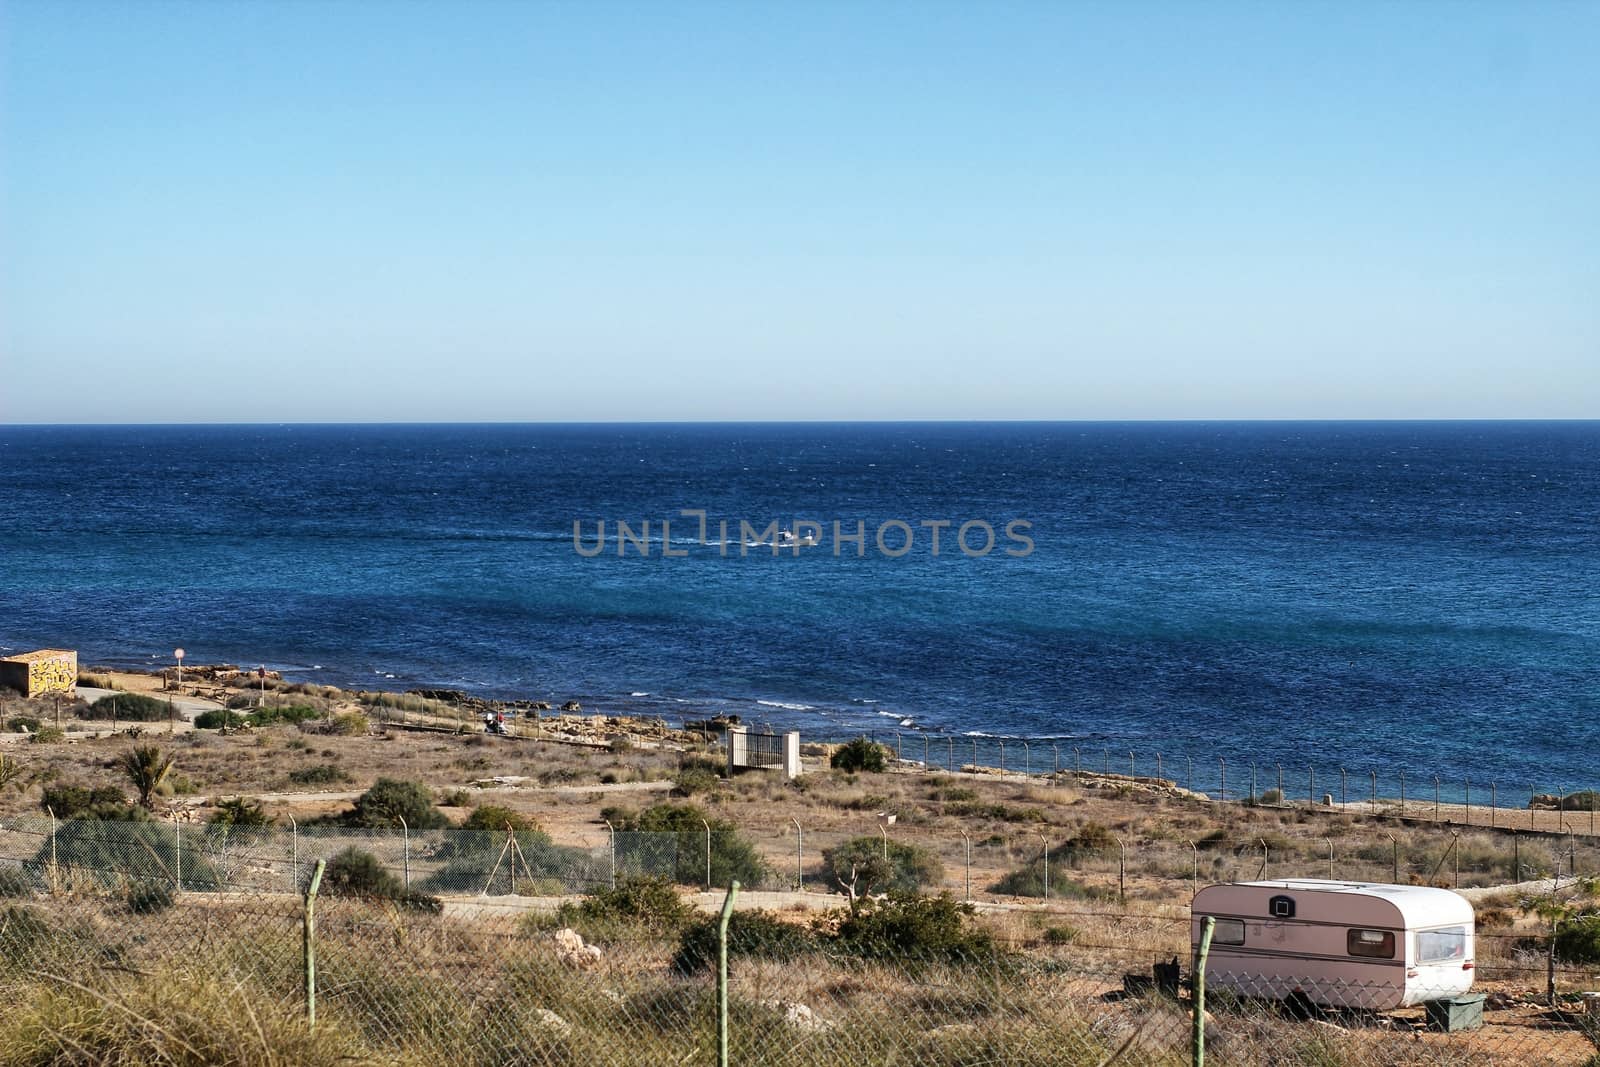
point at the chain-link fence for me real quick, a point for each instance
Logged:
(161, 943)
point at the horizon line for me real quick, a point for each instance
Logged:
(928, 421)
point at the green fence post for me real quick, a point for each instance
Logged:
(722, 975)
(1198, 1042)
(311, 944)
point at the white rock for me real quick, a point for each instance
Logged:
(571, 950)
(553, 1022)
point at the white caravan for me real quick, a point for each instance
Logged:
(1338, 944)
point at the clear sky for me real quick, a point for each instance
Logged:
(358, 211)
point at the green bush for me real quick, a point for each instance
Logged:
(496, 818)
(354, 873)
(1578, 941)
(274, 715)
(81, 802)
(636, 904)
(1063, 934)
(695, 780)
(349, 724)
(47, 735)
(149, 898)
(1028, 881)
(861, 861)
(862, 754)
(672, 837)
(128, 707)
(14, 883)
(913, 929)
(23, 724)
(319, 774)
(751, 935)
(240, 811)
(219, 720)
(113, 854)
(390, 801)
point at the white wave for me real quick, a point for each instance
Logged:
(638, 694)
(786, 707)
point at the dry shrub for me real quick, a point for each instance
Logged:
(182, 1017)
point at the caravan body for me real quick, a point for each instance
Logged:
(1343, 944)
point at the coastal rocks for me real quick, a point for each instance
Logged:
(1545, 802)
(572, 705)
(571, 950)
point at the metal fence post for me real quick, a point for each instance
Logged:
(1046, 841)
(1131, 772)
(294, 851)
(1252, 782)
(405, 831)
(1531, 795)
(1196, 850)
(1393, 841)
(968, 840)
(1329, 840)
(1468, 783)
(1282, 796)
(55, 867)
(1222, 769)
(1492, 789)
(1402, 794)
(707, 825)
(1374, 788)
(799, 855)
(1197, 1041)
(309, 945)
(722, 974)
(1056, 779)
(613, 831)
(1311, 786)
(1344, 789)
(1027, 760)
(1002, 745)
(1122, 871)
(177, 856)
(1436, 815)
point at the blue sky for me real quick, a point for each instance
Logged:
(363, 211)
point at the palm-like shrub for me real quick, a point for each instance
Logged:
(146, 767)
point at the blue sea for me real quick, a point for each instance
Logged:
(1374, 596)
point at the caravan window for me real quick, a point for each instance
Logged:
(1228, 932)
(1442, 945)
(1375, 944)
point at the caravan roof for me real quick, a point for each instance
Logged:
(1420, 905)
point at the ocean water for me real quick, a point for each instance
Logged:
(1373, 596)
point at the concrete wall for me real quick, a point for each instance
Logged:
(35, 674)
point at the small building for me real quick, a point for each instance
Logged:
(764, 750)
(42, 671)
